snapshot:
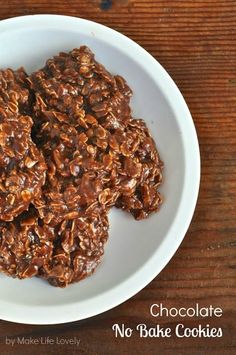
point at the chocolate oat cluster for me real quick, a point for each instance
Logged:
(70, 150)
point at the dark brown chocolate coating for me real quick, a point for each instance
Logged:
(22, 165)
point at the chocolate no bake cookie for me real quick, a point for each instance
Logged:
(70, 150)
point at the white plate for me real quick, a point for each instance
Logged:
(136, 251)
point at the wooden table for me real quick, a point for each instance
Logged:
(195, 40)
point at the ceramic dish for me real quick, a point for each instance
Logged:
(136, 251)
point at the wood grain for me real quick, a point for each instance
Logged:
(195, 40)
